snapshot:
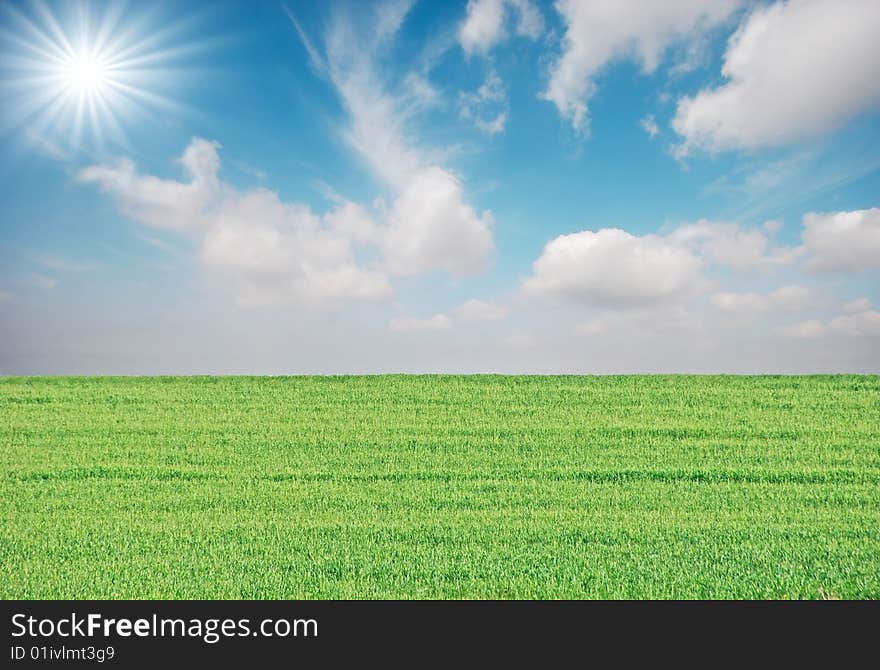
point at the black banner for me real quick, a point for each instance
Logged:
(178, 633)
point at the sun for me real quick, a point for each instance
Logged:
(81, 77)
(86, 73)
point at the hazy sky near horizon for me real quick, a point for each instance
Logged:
(579, 186)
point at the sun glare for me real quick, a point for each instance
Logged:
(80, 77)
(86, 74)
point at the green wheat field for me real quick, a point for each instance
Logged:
(440, 487)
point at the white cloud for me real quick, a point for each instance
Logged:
(379, 128)
(159, 202)
(380, 116)
(354, 221)
(649, 125)
(731, 245)
(431, 227)
(529, 23)
(480, 311)
(268, 249)
(858, 305)
(793, 70)
(389, 16)
(420, 93)
(472, 311)
(842, 241)
(740, 302)
(5, 296)
(805, 330)
(493, 126)
(484, 24)
(487, 106)
(694, 55)
(272, 250)
(613, 267)
(773, 226)
(787, 298)
(403, 324)
(598, 32)
(794, 298)
(861, 324)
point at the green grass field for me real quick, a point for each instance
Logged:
(440, 487)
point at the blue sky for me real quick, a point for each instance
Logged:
(482, 186)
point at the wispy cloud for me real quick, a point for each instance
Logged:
(40, 281)
(61, 264)
(649, 125)
(431, 226)
(487, 107)
(157, 243)
(47, 146)
(761, 186)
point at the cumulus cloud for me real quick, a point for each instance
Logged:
(484, 24)
(793, 70)
(842, 241)
(403, 324)
(431, 227)
(475, 311)
(269, 250)
(273, 250)
(731, 245)
(613, 267)
(164, 203)
(598, 32)
(786, 298)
